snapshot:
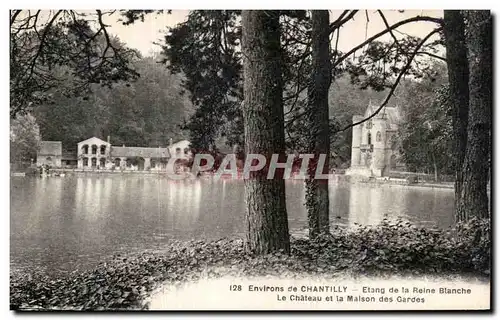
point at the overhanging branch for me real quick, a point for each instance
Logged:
(398, 79)
(381, 33)
(342, 19)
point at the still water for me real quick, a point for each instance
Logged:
(68, 223)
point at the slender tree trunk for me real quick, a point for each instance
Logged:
(434, 165)
(264, 130)
(435, 172)
(458, 77)
(317, 202)
(474, 197)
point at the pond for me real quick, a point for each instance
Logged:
(61, 224)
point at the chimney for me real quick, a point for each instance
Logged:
(170, 142)
(109, 139)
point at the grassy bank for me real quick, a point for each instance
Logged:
(389, 248)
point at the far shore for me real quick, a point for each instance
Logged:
(337, 177)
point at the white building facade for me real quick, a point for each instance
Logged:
(375, 143)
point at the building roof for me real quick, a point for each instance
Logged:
(50, 148)
(139, 152)
(66, 155)
(93, 140)
(392, 115)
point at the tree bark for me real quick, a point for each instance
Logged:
(264, 130)
(317, 201)
(458, 77)
(474, 197)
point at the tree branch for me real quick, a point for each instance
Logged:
(394, 86)
(388, 27)
(42, 40)
(341, 19)
(14, 16)
(431, 55)
(381, 33)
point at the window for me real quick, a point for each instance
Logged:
(103, 150)
(94, 149)
(85, 162)
(369, 138)
(186, 150)
(85, 149)
(177, 150)
(379, 136)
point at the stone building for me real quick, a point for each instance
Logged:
(93, 153)
(69, 159)
(375, 143)
(96, 153)
(50, 153)
(139, 158)
(180, 150)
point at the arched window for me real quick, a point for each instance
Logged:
(85, 162)
(94, 162)
(103, 150)
(85, 149)
(102, 163)
(186, 150)
(369, 138)
(118, 162)
(379, 136)
(94, 149)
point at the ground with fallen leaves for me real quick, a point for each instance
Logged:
(126, 282)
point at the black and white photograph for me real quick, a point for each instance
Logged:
(250, 160)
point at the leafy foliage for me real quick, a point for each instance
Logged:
(131, 16)
(147, 112)
(426, 134)
(24, 138)
(204, 49)
(44, 53)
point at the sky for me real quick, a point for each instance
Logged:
(141, 35)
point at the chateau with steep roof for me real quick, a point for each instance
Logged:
(375, 143)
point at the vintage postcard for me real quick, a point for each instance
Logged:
(250, 160)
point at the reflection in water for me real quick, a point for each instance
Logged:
(369, 205)
(73, 222)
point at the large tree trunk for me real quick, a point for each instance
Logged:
(458, 77)
(264, 130)
(474, 197)
(317, 202)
